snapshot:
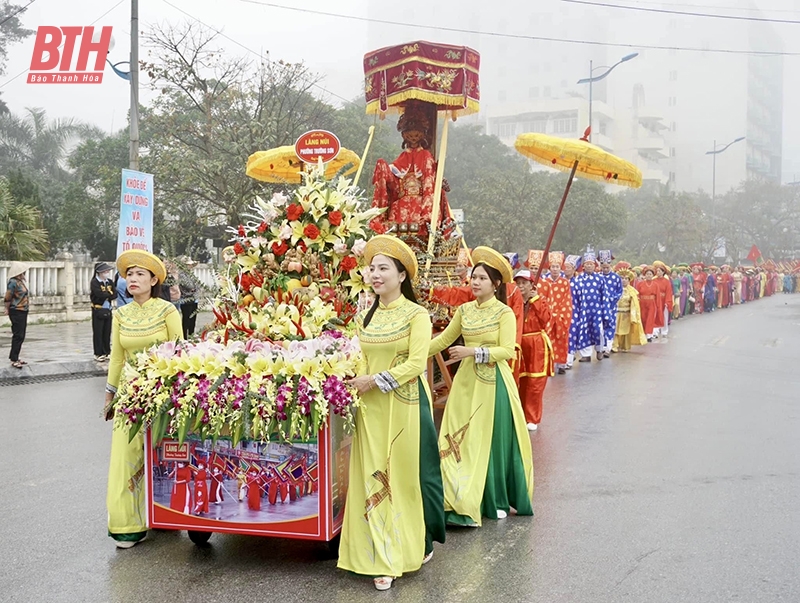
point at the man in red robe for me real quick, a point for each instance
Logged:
(181, 499)
(699, 284)
(200, 489)
(666, 299)
(649, 293)
(405, 187)
(216, 495)
(554, 286)
(537, 352)
(253, 489)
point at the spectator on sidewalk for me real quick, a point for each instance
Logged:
(17, 302)
(101, 293)
(123, 295)
(187, 282)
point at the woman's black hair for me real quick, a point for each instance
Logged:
(497, 281)
(406, 288)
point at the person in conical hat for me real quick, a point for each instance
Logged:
(146, 321)
(614, 292)
(484, 445)
(559, 296)
(537, 350)
(395, 485)
(17, 303)
(591, 287)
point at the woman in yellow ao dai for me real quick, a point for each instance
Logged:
(485, 448)
(394, 509)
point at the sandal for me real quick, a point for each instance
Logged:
(16, 364)
(383, 583)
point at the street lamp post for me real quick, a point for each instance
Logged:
(596, 78)
(132, 75)
(714, 154)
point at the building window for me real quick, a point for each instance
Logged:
(507, 130)
(501, 96)
(566, 125)
(537, 125)
(672, 152)
(533, 92)
(673, 101)
(547, 92)
(602, 128)
(673, 127)
(673, 76)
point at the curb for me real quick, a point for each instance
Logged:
(51, 371)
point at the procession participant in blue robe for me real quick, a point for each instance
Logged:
(571, 264)
(613, 295)
(591, 288)
(710, 291)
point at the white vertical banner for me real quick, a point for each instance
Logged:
(135, 212)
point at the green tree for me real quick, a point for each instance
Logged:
(21, 235)
(91, 202)
(36, 147)
(665, 225)
(211, 113)
(11, 32)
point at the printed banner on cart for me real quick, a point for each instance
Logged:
(252, 483)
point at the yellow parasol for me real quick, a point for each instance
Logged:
(593, 162)
(579, 158)
(281, 165)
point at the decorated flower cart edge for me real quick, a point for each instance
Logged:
(273, 365)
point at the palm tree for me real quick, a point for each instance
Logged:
(21, 235)
(33, 143)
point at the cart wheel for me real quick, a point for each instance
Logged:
(199, 538)
(333, 546)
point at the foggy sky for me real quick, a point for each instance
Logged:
(334, 47)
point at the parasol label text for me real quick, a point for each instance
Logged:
(317, 145)
(55, 47)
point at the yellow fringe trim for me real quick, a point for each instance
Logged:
(455, 101)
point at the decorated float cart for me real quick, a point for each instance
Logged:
(248, 429)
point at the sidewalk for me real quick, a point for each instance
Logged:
(63, 348)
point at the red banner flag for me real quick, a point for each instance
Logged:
(754, 254)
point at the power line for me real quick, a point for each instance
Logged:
(21, 73)
(219, 32)
(745, 9)
(664, 11)
(11, 16)
(523, 37)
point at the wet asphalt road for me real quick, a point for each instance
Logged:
(668, 474)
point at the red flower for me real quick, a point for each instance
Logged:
(335, 218)
(311, 231)
(245, 282)
(262, 228)
(280, 248)
(348, 263)
(241, 230)
(238, 249)
(301, 245)
(294, 211)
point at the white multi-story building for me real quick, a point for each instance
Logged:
(663, 110)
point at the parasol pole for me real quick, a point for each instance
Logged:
(437, 194)
(364, 156)
(555, 222)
